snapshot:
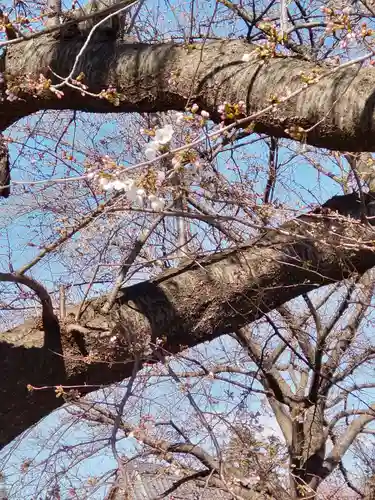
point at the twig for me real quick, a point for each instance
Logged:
(62, 300)
(134, 17)
(87, 41)
(211, 220)
(85, 222)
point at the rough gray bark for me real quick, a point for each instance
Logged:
(161, 77)
(235, 288)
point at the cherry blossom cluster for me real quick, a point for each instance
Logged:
(231, 112)
(194, 115)
(161, 139)
(340, 20)
(78, 82)
(28, 83)
(145, 191)
(111, 178)
(112, 95)
(134, 194)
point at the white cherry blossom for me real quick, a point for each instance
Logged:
(131, 193)
(157, 204)
(164, 135)
(105, 183)
(118, 185)
(151, 151)
(179, 118)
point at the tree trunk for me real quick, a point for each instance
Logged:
(307, 452)
(370, 489)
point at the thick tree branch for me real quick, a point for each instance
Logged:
(272, 381)
(345, 394)
(235, 288)
(349, 413)
(4, 169)
(299, 333)
(50, 321)
(338, 110)
(343, 443)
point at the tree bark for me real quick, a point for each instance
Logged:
(161, 77)
(235, 288)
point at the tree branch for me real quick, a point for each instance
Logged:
(343, 443)
(337, 110)
(235, 287)
(51, 324)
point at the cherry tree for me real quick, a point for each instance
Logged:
(183, 185)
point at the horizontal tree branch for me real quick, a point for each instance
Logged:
(235, 287)
(338, 110)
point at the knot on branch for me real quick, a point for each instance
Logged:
(113, 337)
